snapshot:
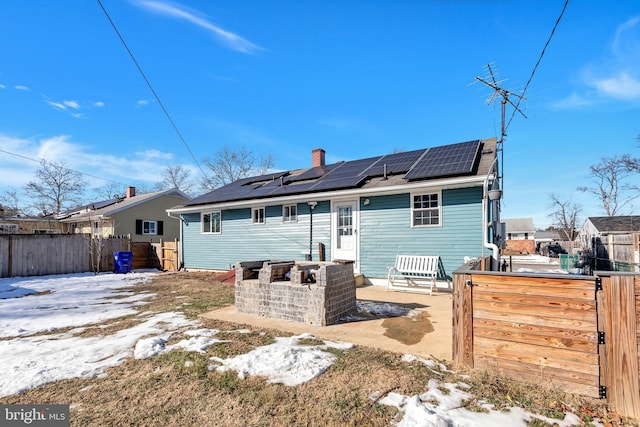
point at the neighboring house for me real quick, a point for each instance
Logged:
(431, 201)
(519, 233)
(29, 225)
(143, 216)
(599, 226)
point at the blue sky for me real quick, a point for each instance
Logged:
(357, 78)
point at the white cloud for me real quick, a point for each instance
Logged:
(619, 86)
(57, 105)
(98, 104)
(142, 103)
(72, 104)
(573, 101)
(225, 38)
(614, 77)
(3, 87)
(627, 40)
(20, 158)
(154, 154)
(617, 76)
(58, 148)
(21, 87)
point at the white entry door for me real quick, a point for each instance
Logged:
(344, 231)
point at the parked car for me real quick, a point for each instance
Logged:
(553, 250)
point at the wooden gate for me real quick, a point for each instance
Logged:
(575, 333)
(169, 255)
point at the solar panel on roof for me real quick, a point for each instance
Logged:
(345, 176)
(396, 163)
(312, 173)
(455, 159)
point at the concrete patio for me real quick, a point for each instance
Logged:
(427, 334)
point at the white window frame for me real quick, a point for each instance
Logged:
(147, 230)
(211, 222)
(8, 228)
(258, 215)
(437, 209)
(287, 216)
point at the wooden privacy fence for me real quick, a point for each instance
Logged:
(37, 255)
(576, 333)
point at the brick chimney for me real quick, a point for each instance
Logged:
(131, 191)
(317, 157)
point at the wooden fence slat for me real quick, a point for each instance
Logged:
(563, 313)
(542, 356)
(462, 321)
(569, 381)
(585, 324)
(513, 282)
(537, 302)
(551, 337)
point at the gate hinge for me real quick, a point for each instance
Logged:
(600, 337)
(602, 392)
(598, 284)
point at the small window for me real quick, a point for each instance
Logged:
(290, 213)
(8, 228)
(149, 227)
(426, 210)
(211, 222)
(257, 216)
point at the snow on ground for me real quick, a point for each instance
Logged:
(33, 352)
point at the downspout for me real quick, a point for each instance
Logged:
(486, 224)
(180, 261)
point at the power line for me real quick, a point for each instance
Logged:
(155, 95)
(538, 62)
(72, 170)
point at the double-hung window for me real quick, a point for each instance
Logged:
(211, 222)
(149, 227)
(290, 213)
(257, 215)
(425, 210)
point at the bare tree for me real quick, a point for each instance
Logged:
(611, 186)
(177, 177)
(110, 190)
(9, 203)
(56, 188)
(565, 215)
(229, 165)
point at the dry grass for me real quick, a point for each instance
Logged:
(164, 390)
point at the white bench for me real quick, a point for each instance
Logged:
(418, 272)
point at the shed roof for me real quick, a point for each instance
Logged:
(616, 224)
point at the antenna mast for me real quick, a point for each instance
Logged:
(499, 92)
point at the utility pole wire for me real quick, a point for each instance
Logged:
(155, 95)
(566, 3)
(72, 170)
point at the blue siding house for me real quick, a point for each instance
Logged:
(433, 201)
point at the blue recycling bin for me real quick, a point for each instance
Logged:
(122, 262)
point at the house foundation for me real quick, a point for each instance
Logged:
(316, 293)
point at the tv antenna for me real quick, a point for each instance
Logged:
(504, 94)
